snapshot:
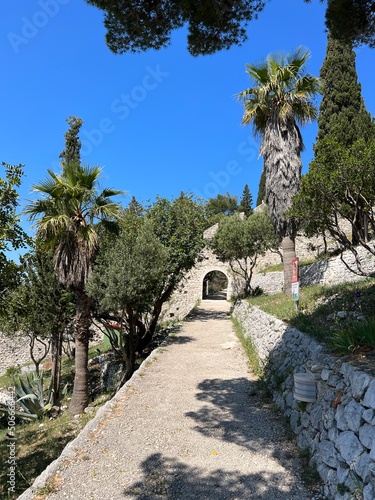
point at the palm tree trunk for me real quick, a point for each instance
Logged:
(80, 396)
(289, 253)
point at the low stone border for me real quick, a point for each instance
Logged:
(71, 450)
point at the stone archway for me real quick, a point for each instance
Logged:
(189, 292)
(215, 285)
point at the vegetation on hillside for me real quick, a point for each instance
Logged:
(339, 316)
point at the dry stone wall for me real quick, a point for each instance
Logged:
(327, 272)
(14, 351)
(338, 428)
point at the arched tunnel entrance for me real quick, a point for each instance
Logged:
(215, 286)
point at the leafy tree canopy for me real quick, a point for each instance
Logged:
(11, 233)
(339, 187)
(131, 271)
(39, 306)
(222, 205)
(12, 236)
(139, 25)
(179, 225)
(240, 241)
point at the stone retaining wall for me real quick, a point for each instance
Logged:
(339, 428)
(328, 272)
(14, 351)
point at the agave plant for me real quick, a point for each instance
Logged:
(31, 397)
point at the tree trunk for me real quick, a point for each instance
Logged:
(56, 352)
(80, 396)
(289, 253)
(129, 361)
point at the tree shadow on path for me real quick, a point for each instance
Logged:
(238, 411)
(169, 478)
(206, 315)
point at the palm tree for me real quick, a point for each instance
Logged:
(281, 96)
(68, 217)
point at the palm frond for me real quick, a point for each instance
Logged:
(66, 217)
(109, 192)
(258, 73)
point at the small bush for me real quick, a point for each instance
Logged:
(354, 337)
(12, 371)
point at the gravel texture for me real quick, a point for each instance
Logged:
(191, 424)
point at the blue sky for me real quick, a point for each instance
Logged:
(158, 122)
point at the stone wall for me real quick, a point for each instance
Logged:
(338, 428)
(330, 271)
(14, 351)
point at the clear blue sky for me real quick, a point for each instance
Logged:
(158, 122)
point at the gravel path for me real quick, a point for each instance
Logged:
(191, 424)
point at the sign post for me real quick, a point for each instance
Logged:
(295, 282)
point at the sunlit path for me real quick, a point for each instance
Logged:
(191, 424)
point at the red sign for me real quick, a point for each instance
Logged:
(295, 270)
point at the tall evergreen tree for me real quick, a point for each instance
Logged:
(351, 21)
(72, 151)
(343, 116)
(246, 201)
(261, 189)
(342, 113)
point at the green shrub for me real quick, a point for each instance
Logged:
(354, 336)
(12, 371)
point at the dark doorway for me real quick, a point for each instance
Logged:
(215, 285)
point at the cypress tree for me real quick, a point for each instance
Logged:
(342, 115)
(262, 188)
(72, 151)
(246, 201)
